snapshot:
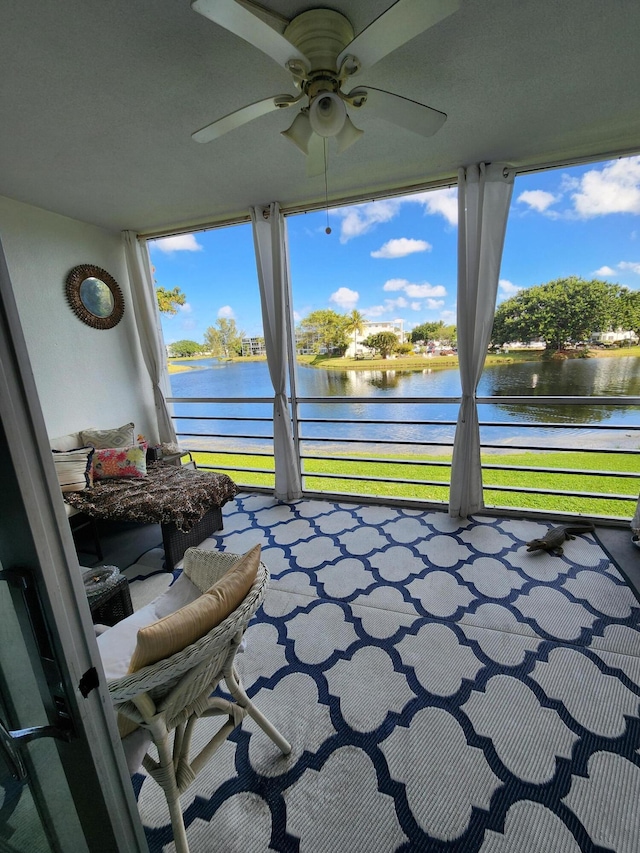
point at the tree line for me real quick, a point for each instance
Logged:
(560, 312)
(566, 311)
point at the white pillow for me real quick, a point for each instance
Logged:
(118, 643)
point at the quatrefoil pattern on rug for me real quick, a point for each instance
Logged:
(443, 690)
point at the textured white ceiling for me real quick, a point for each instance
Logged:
(98, 99)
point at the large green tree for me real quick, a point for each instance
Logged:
(223, 339)
(324, 329)
(427, 332)
(563, 311)
(184, 349)
(384, 343)
(628, 315)
(169, 300)
(433, 331)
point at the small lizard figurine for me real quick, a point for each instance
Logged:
(552, 541)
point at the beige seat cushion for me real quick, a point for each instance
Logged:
(177, 630)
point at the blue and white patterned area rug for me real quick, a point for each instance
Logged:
(443, 689)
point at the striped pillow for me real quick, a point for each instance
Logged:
(74, 468)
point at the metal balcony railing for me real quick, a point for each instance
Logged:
(554, 467)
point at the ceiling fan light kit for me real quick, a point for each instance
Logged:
(300, 131)
(327, 114)
(319, 50)
(348, 135)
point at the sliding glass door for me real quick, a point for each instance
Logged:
(63, 779)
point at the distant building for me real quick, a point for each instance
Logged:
(307, 343)
(614, 337)
(373, 328)
(524, 345)
(253, 346)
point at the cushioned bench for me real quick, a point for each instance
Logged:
(184, 501)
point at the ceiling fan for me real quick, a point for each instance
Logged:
(319, 49)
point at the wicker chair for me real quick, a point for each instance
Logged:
(173, 694)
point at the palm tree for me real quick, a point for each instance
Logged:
(355, 325)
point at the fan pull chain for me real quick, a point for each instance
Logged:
(327, 230)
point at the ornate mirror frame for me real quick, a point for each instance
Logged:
(103, 320)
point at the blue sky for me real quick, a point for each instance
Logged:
(396, 259)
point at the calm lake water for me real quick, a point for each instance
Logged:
(575, 377)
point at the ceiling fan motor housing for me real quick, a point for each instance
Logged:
(321, 35)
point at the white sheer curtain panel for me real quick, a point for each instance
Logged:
(149, 331)
(484, 195)
(269, 239)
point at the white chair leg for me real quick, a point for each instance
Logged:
(165, 777)
(237, 691)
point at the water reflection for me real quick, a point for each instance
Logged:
(577, 377)
(596, 377)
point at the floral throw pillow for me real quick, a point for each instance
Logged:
(112, 462)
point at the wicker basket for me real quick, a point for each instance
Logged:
(176, 542)
(112, 601)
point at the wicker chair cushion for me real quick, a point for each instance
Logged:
(117, 644)
(172, 633)
(204, 568)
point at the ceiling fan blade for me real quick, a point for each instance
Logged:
(315, 156)
(402, 111)
(251, 27)
(243, 116)
(402, 22)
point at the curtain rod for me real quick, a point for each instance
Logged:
(361, 198)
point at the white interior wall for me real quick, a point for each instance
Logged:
(85, 377)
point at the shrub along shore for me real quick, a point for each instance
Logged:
(419, 362)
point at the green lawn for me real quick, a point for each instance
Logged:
(579, 480)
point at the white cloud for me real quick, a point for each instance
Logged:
(415, 291)
(538, 200)
(422, 290)
(627, 265)
(395, 284)
(389, 307)
(226, 311)
(358, 220)
(400, 302)
(178, 243)
(449, 317)
(345, 298)
(613, 189)
(188, 324)
(415, 306)
(401, 247)
(508, 288)
(374, 311)
(435, 303)
(185, 309)
(442, 202)
(605, 270)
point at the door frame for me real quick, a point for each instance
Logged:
(93, 762)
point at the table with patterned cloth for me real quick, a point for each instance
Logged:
(184, 501)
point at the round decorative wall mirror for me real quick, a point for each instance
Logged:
(94, 296)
